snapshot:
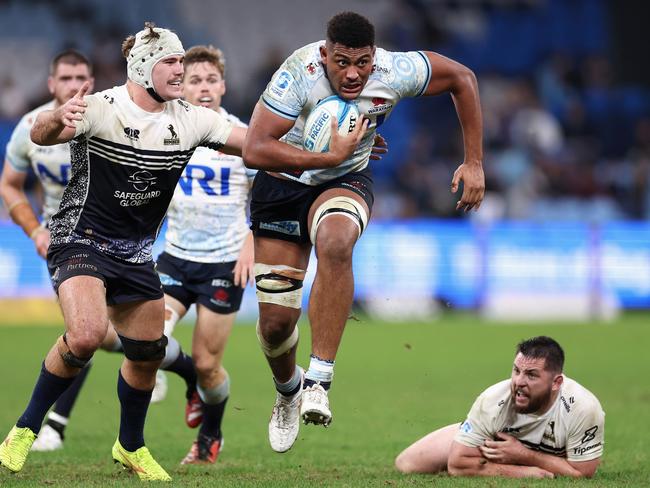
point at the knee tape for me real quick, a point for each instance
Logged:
(171, 318)
(172, 351)
(68, 357)
(345, 206)
(274, 351)
(144, 350)
(279, 284)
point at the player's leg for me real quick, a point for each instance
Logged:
(52, 433)
(82, 300)
(337, 218)
(213, 383)
(139, 325)
(175, 360)
(429, 454)
(279, 271)
(178, 299)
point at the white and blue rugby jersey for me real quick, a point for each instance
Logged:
(574, 426)
(125, 166)
(300, 83)
(206, 220)
(51, 164)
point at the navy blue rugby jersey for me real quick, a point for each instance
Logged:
(125, 166)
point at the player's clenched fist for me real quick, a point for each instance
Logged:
(73, 109)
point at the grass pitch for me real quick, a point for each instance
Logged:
(394, 383)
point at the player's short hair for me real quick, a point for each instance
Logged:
(129, 42)
(351, 30)
(206, 54)
(546, 348)
(70, 56)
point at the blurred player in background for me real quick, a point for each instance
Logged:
(208, 257)
(51, 164)
(538, 424)
(131, 144)
(329, 209)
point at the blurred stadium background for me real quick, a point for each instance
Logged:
(565, 88)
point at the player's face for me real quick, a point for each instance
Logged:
(167, 77)
(348, 69)
(66, 80)
(532, 386)
(203, 85)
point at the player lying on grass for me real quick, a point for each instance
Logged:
(538, 424)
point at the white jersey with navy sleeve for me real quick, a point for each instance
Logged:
(574, 426)
(51, 164)
(126, 163)
(206, 220)
(300, 83)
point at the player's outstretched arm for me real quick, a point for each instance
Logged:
(509, 450)
(12, 184)
(263, 149)
(448, 76)
(57, 126)
(468, 461)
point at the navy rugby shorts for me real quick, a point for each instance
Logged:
(124, 282)
(210, 284)
(280, 208)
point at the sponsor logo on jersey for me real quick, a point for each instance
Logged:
(173, 140)
(566, 405)
(507, 430)
(380, 69)
(379, 105)
(312, 68)
(167, 280)
(221, 283)
(110, 100)
(221, 298)
(581, 450)
(466, 427)
(549, 434)
(289, 227)
(184, 104)
(142, 180)
(590, 434)
(133, 134)
(282, 84)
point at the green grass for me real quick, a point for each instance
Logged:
(394, 383)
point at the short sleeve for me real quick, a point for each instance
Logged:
(285, 95)
(410, 72)
(476, 428)
(94, 116)
(587, 437)
(215, 128)
(18, 148)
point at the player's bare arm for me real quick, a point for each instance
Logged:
(58, 126)
(468, 461)
(235, 142)
(12, 185)
(263, 149)
(243, 271)
(509, 450)
(449, 76)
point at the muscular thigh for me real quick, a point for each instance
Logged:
(142, 321)
(83, 303)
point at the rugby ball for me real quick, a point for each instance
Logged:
(317, 130)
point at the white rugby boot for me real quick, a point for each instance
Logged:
(48, 440)
(285, 420)
(160, 390)
(315, 408)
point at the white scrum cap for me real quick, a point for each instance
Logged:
(147, 51)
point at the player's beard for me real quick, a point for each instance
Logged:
(535, 402)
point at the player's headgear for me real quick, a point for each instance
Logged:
(151, 45)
